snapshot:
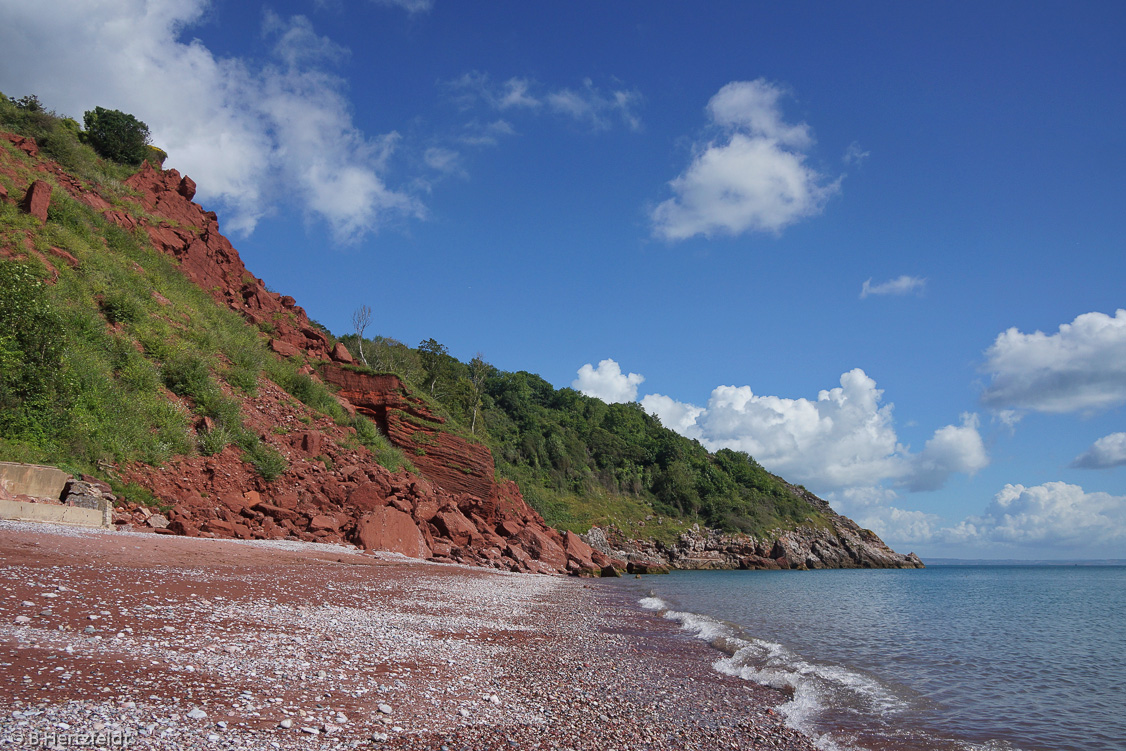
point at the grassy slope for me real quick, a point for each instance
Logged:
(137, 352)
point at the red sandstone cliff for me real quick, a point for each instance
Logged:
(333, 490)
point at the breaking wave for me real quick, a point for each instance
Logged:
(840, 708)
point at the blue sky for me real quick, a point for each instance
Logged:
(877, 245)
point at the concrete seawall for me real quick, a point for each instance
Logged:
(34, 481)
(52, 513)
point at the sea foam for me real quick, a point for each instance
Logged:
(813, 688)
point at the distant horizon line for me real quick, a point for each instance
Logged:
(936, 561)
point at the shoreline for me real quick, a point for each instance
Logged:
(193, 643)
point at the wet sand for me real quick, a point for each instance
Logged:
(180, 643)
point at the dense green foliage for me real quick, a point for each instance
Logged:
(574, 445)
(87, 363)
(31, 375)
(117, 136)
(581, 461)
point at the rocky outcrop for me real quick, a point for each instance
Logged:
(834, 542)
(448, 460)
(23, 143)
(839, 543)
(191, 235)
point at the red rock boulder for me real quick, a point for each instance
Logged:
(285, 349)
(340, 353)
(542, 547)
(389, 529)
(369, 496)
(186, 188)
(578, 551)
(453, 525)
(37, 199)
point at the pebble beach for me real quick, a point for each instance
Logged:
(126, 639)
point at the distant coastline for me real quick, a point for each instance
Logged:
(1024, 562)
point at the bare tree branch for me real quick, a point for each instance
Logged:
(361, 319)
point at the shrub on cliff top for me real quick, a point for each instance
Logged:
(59, 138)
(117, 135)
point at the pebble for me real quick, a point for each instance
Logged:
(440, 647)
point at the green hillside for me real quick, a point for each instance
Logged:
(580, 461)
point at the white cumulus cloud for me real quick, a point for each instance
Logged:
(1081, 367)
(676, 416)
(900, 526)
(1043, 521)
(607, 382)
(903, 285)
(953, 449)
(251, 135)
(1109, 451)
(842, 442)
(752, 177)
(1054, 514)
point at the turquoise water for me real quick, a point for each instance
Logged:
(944, 658)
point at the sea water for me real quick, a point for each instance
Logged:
(947, 658)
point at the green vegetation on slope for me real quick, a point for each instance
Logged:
(580, 461)
(87, 363)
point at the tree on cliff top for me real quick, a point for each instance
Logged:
(435, 359)
(117, 135)
(361, 318)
